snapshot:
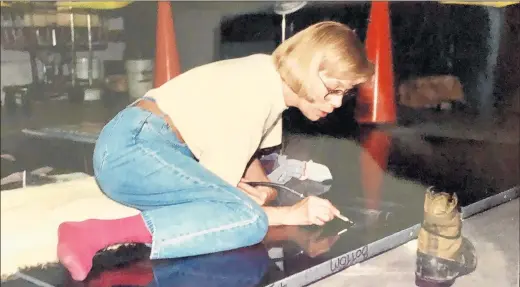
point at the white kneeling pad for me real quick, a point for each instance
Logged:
(31, 216)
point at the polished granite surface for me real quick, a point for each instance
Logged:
(379, 181)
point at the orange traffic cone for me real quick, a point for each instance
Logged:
(166, 56)
(374, 160)
(376, 101)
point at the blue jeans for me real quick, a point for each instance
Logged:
(140, 162)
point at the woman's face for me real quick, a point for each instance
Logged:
(324, 94)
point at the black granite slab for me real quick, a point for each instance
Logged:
(384, 213)
(18, 282)
(379, 180)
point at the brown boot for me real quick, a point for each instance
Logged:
(443, 254)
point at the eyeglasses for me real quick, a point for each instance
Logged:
(331, 94)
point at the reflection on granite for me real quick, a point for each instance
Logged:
(243, 267)
(475, 170)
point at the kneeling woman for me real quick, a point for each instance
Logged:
(182, 154)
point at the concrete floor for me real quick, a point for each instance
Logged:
(494, 233)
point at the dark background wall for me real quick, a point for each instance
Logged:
(428, 38)
(508, 64)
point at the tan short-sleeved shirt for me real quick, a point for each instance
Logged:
(225, 111)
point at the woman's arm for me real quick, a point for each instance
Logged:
(310, 210)
(255, 172)
(277, 215)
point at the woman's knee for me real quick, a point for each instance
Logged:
(258, 226)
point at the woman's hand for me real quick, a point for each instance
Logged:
(260, 194)
(311, 210)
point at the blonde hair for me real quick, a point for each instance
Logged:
(343, 55)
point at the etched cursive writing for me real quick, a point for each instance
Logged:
(279, 284)
(349, 259)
